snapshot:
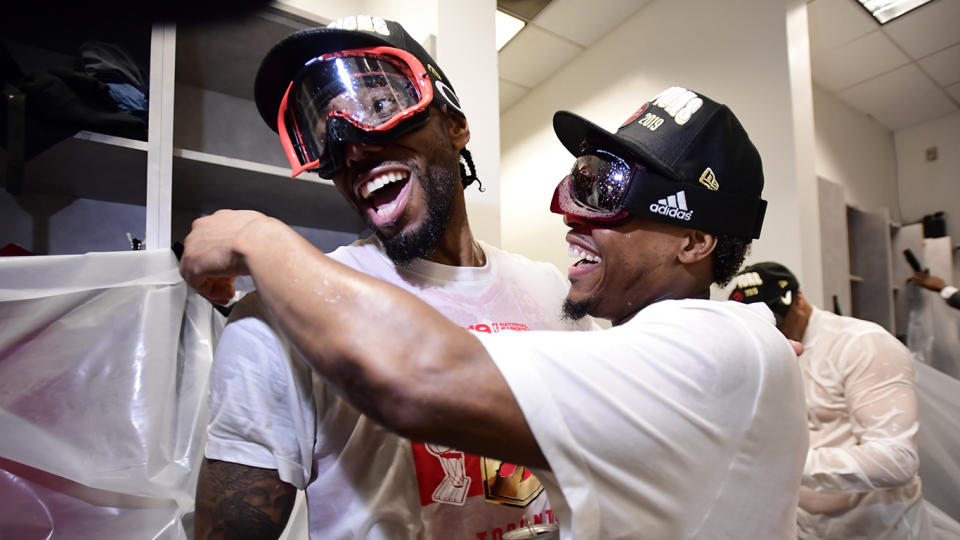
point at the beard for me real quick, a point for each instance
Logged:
(438, 184)
(574, 310)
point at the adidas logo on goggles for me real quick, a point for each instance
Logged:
(674, 206)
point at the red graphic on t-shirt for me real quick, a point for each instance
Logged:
(448, 476)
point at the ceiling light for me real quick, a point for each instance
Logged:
(507, 27)
(887, 10)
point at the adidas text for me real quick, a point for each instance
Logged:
(674, 206)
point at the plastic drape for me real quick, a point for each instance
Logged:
(104, 360)
(933, 336)
(933, 330)
(938, 400)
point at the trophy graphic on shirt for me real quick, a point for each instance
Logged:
(453, 488)
(506, 483)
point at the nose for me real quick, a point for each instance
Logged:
(356, 152)
(572, 220)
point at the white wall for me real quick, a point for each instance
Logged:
(738, 53)
(930, 186)
(467, 50)
(856, 152)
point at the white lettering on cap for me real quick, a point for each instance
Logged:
(748, 279)
(679, 103)
(364, 23)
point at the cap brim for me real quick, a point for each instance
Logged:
(286, 58)
(573, 131)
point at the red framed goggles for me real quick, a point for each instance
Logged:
(366, 96)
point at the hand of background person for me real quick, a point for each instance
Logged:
(927, 281)
(210, 262)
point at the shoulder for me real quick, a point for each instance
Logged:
(712, 317)
(364, 249)
(733, 337)
(516, 263)
(859, 333)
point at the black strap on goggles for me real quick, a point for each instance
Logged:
(691, 205)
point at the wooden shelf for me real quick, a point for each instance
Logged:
(88, 166)
(204, 183)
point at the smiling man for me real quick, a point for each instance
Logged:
(362, 103)
(683, 420)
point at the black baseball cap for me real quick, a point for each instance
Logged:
(767, 282)
(287, 57)
(684, 137)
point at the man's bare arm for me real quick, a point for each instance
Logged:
(240, 502)
(394, 357)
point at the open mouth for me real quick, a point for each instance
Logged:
(585, 258)
(386, 193)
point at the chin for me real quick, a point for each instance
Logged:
(575, 310)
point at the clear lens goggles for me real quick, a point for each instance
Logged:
(596, 187)
(370, 95)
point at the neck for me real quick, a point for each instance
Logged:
(457, 246)
(795, 323)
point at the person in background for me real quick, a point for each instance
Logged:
(683, 420)
(938, 285)
(363, 103)
(861, 478)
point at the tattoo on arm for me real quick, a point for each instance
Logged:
(241, 502)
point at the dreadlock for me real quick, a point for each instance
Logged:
(466, 164)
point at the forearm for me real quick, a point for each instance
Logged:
(394, 357)
(863, 467)
(237, 501)
(815, 502)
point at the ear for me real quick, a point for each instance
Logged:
(696, 246)
(457, 128)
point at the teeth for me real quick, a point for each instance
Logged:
(385, 210)
(577, 252)
(376, 183)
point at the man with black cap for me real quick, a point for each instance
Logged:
(683, 420)
(363, 103)
(861, 478)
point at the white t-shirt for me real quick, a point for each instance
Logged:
(269, 410)
(687, 421)
(862, 408)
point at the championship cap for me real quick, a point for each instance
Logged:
(702, 170)
(767, 282)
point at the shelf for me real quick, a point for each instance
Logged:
(856, 279)
(204, 183)
(88, 166)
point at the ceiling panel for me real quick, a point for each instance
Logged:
(861, 59)
(849, 54)
(510, 93)
(954, 91)
(533, 55)
(943, 66)
(837, 22)
(899, 99)
(586, 22)
(928, 29)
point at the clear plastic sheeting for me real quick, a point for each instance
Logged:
(104, 360)
(938, 400)
(933, 330)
